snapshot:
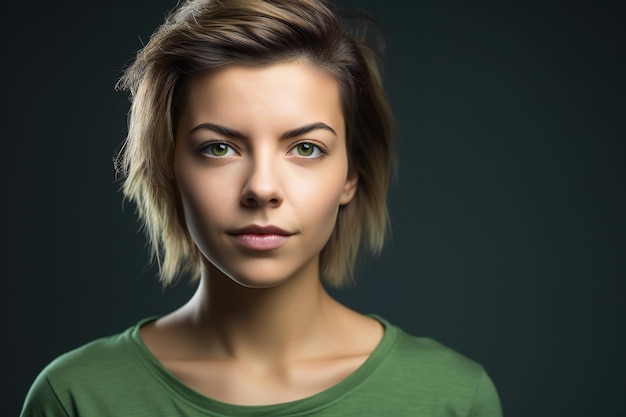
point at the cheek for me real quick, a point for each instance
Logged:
(210, 196)
(204, 198)
(317, 196)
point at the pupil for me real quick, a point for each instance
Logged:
(219, 149)
(306, 148)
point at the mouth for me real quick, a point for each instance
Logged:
(260, 238)
(260, 230)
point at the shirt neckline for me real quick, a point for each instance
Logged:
(212, 407)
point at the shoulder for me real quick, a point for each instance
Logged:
(424, 355)
(429, 355)
(426, 372)
(94, 370)
(103, 355)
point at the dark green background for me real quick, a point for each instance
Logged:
(508, 240)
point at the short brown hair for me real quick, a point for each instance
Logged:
(203, 35)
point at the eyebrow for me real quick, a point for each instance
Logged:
(231, 133)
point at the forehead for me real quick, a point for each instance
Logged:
(263, 98)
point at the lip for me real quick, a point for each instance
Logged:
(260, 237)
(254, 229)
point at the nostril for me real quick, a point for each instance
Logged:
(250, 202)
(261, 189)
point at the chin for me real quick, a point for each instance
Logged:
(257, 283)
(256, 279)
(260, 275)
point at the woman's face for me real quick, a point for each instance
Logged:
(262, 169)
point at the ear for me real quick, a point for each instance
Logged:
(349, 188)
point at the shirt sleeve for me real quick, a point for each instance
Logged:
(486, 402)
(42, 401)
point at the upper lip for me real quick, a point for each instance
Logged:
(260, 230)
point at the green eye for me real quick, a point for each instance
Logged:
(306, 150)
(218, 150)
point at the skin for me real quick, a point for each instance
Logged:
(262, 146)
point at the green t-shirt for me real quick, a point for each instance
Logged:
(118, 376)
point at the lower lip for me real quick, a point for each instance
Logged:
(261, 242)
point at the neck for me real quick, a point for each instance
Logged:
(264, 323)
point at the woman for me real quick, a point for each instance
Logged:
(258, 156)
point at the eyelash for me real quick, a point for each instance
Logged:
(321, 150)
(318, 149)
(204, 149)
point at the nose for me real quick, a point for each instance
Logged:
(262, 187)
